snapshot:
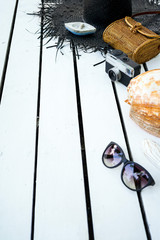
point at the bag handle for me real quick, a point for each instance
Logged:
(144, 13)
(137, 26)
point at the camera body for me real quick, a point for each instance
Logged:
(120, 67)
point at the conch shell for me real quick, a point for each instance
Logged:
(152, 151)
(144, 98)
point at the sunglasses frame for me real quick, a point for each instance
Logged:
(125, 161)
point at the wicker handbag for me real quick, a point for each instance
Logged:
(129, 36)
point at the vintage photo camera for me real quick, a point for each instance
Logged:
(120, 67)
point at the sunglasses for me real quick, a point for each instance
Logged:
(133, 175)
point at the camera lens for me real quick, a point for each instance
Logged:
(114, 74)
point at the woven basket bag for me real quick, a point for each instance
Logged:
(131, 37)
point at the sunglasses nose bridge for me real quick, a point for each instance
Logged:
(124, 160)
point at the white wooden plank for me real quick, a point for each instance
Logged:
(6, 15)
(113, 205)
(150, 195)
(17, 127)
(154, 63)
(60, 206)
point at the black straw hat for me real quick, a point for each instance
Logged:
(96, 12)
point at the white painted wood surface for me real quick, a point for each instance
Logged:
(152, 199)
(6, 13)
(18, 124)
(136, 135)
(60, 208)
(113, 205)
(60, 211)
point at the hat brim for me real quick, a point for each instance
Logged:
(58, 12)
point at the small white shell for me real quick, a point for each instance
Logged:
(80, 28)
(152, 151)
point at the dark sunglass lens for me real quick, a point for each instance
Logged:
(112, 156)
(134, 176)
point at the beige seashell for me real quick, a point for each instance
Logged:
(152, 151)
(144, 98)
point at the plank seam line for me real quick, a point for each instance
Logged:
(83, 148)
(37, 125)
(140, 200)
(8, 50)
